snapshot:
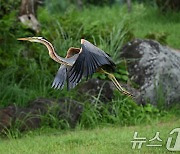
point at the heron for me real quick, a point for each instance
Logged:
(78, 63)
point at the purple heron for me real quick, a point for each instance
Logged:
(78, 63)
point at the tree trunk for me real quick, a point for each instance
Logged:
(28, 14)
(79, 4)
(129, 5)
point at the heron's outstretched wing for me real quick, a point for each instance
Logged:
(63, 73)
(89, 60)
(60, 77)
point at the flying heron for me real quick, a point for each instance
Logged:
(78, 63)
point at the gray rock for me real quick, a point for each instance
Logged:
(63, 109)
(31, 117)
(7, 116)
(156, 69)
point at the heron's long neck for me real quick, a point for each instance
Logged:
(52, 52)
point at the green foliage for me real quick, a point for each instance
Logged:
(76, 25)
(16, 128)
(147, 19)
(8, 6)
(10, 30)
(121, 111)
(52, 120)
(160, 37)
(121, 72)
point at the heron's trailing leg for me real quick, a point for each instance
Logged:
(116, 83)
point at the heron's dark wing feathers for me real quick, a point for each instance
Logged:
(84, 63)
(88, 61)
(60, 77)
(70, 84)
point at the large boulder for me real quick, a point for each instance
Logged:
(95, 88)
(155, 69)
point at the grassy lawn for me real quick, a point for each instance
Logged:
(100, 140)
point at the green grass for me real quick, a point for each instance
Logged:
(147, 20)
(106, 140)
(99, 21)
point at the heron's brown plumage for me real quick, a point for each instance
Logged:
(72, 51)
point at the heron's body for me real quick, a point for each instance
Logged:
(79, 63)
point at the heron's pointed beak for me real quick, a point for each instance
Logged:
(23, 39)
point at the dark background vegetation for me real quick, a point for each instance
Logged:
(27, 72)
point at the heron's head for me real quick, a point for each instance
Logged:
(31, 39)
